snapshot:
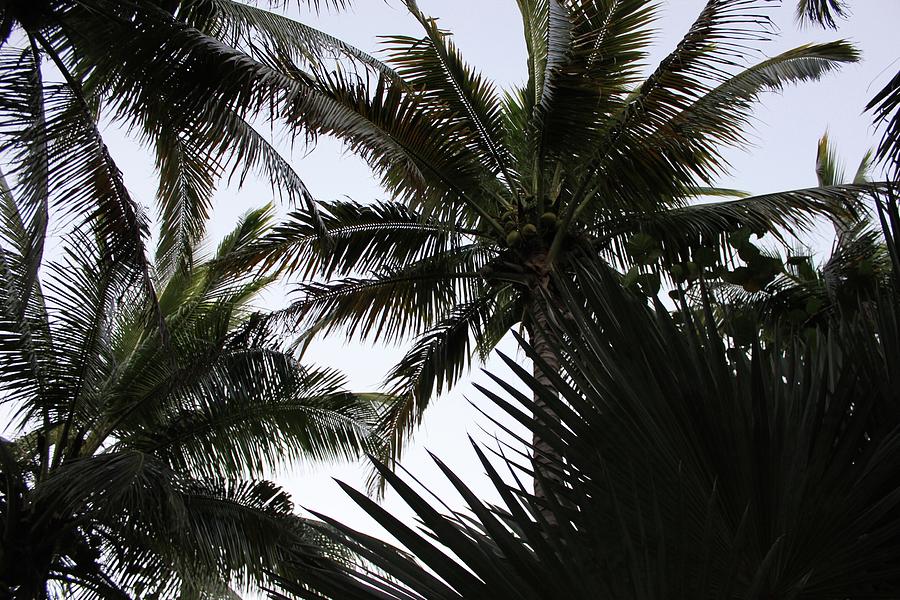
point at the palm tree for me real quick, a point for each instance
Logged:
(695, 472)
(187, 78)
(492, 193)
(137, 464)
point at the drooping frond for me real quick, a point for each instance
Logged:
(434, 363)
(393, 303)
(262, 33)
(686, 149)
(823, 12)
(254, 412)
(785, 215)
(885, 107)
(358, 238)
(186, 186)
(421, 160)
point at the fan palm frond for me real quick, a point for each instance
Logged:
(689, 470)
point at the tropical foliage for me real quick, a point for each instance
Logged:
(794, 294)
(692, 470)
(491, 192)
(187, 78)
(138, 456)
(149, 403)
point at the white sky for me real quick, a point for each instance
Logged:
(489, 34)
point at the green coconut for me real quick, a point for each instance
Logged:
(529, 230)
(513, 238)
(548, 219)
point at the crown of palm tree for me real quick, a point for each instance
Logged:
(491, 192)
(137, 464)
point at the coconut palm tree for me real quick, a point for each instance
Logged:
(135, 465)
(491, 193)
(695, 472)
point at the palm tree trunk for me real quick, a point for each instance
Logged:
(546, 459)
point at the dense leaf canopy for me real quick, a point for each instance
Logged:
(490, 192)
(138, 460)
(692, 470)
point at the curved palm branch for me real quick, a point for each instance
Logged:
(436, 361)
(708, 224)
(886, 108)
(358, 238)
(394, 303)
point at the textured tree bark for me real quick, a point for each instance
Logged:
(545, 456)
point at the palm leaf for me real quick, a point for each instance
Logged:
(395, 303)
(246, 27)
(434, 67)
(783, 214)
(823, 12)
(886, 108)
(360, 238)
(435, 362)
(694, 471)
(687, 147)
(254, 413)
(600, 47)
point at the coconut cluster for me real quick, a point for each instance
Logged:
(519, 230)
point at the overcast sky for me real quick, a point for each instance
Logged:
(489, 34)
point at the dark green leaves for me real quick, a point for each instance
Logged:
(691, 470)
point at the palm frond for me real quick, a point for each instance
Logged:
(420, 156)
(822, 12)
(829, 170)
(359, 238)
(186, 186)
(27, 346)
(84, 178)
(247, 27)
(256, 412)
(394, 303)
(885, 107)
(435, 362)
(685, 147)
(689, 470)
(23, 125)
(435, 68)
(600, 54)
(784, 215)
